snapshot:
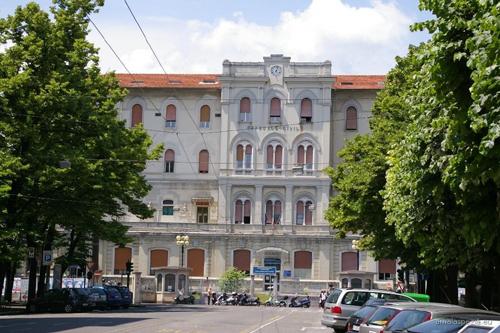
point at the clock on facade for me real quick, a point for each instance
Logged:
(276, 70)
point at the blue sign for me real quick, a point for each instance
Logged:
(287, 273)
(263, 270)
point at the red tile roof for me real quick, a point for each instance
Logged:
(343, 82)
(211, 81)
(204, 81)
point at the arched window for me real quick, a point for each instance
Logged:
(170, 117)
(196, 261)
(349, 261)
(136, 115)
(351, 118)
(203, 161)
(273, 212)
(306, 110)
(245, 115)
(303, 212)
(205, 116)
(157, 258)
(305, 156)
(302, 264)
(122, 255)
(244, 156)
(168, 207)
(241, 260)
(242, 211)
(274, 156)
(169, 161)
(275, 113)
(169, 283)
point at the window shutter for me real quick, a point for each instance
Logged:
(196, 261)
(278, 157)
(349, 261)
(171, 113)
(136, 115)
(269, 212)
(203, 161)
(277, 212)
(241, 260)
(302, 260)
(275, 107)
(159, 258)
(205, 113)
(351, 118)
(309, 155)
(270, 152)
(306, 108)
(169, 155)
(239, 153)
(308, 213)
(245, 105)
(238, 210)
(122, 255)
(300, 155)
(247, 208)
(387, 266)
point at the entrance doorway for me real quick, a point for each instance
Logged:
(269, 279)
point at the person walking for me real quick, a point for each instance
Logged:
(209, 294)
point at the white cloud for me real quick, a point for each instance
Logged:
(358, 40)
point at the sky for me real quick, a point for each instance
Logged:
(195, 36)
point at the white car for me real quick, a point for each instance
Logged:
(482, 326)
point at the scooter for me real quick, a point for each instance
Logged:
(276, 302)
(181, 299)
(233, 299)
(222, 299)
(248, 300)
(295, 302)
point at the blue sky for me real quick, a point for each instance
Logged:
(358, 36)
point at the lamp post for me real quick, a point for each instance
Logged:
(182, 241)
(355, 246)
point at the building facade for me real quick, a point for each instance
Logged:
(242, 173)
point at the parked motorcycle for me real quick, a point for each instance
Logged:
(304, 302)
(233, 299)
(222, 299)
(248, 300)
(182, 299)
(276, 302)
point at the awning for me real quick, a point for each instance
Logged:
(202, 201)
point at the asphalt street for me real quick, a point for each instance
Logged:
(171, 319)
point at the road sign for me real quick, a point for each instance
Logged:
(31, 252)
(264, 270)
(47, 257)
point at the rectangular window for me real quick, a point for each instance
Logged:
(169, 167)
(275, 119)
(202, 214)
(245, 117)
(205, 124)
(170, 123)
(168, 210)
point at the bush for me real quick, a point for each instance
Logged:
(231, 280)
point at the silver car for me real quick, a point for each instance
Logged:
(342, 303)
(385, 314)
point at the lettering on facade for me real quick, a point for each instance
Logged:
(285, 128)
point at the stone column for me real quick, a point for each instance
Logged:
(252, 284)
(288, 209)
(137, 288)
(257, 218)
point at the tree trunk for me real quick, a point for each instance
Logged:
(9, 281)
(472, 298)
(2, 277)
(452, 284)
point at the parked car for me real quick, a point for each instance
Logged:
(113, 297)
(66, 299)
(99, 297)
(343, 302)
(482, 326)
(363, 314)
(453, 323)
(408, 318)
(125, 293)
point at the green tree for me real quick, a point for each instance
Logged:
(359, 179)
(443, 186)
(57, 106)
(231, 280)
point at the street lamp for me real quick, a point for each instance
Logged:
(355, 246)
(182, 241)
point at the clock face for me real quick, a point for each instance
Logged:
(276, 70)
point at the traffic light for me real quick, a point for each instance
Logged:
(130, 267)
(401, 275)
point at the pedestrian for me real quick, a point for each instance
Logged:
(209, 294)
(214, 298)
(323, 297)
